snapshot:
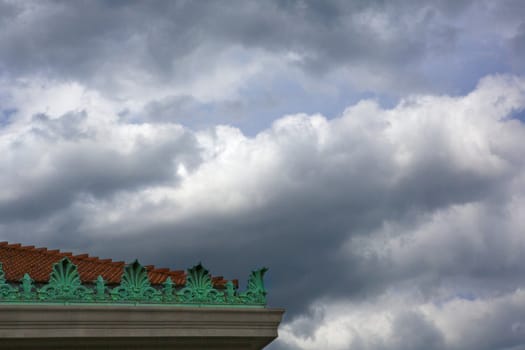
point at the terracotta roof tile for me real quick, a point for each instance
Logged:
(38, 263)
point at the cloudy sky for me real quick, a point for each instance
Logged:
(370, 153)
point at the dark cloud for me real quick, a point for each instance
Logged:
(60, 159)
(100, 42)
(413, 331)
(67, 126)
(518, 45)
(330, 181)
(188, 111)
(308, 198)
(377, 225)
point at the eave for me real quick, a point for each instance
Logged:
(136, 327)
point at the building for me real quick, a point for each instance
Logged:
(56, 300)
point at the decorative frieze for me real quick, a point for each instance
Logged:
(65, 287)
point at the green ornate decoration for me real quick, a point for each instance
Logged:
(64, 284)
(100, 288)
(168, 290)
(255, 293)
(135, 285)
(7, 292)
(229, 293)
(27, 287)
(135, 288)
(199, 287)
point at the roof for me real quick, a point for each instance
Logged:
(38, 263)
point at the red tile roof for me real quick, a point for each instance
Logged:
(38, 263)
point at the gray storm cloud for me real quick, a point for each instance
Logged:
(374, 45)
(369, 153)
(426, 194)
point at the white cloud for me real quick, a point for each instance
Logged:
(410, 214)
(418, 204)
(401, 320)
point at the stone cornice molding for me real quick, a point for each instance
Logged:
(128, 325)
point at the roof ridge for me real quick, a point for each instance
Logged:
(40, 260)
(85, 257)
(55, 252)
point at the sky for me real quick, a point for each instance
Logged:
(369, 153)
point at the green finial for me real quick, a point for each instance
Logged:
(100, 288)
(168, 289)
(229, 293)
(2, 274)
(27, 287)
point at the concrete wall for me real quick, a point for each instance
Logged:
(135, 327)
